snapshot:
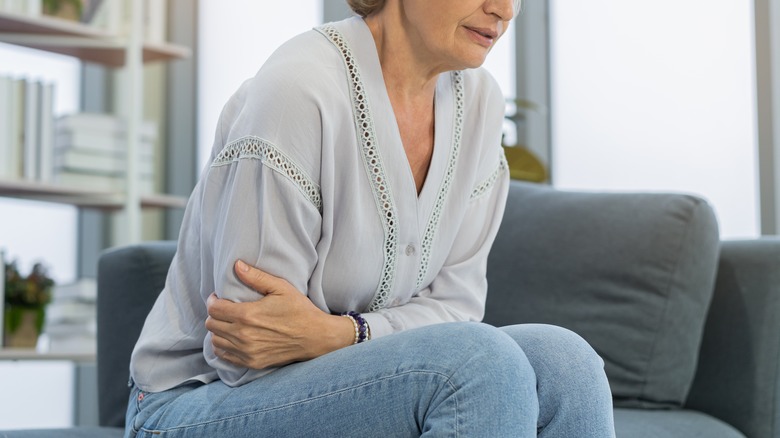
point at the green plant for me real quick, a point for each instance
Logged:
(54, 6)
(30, 293)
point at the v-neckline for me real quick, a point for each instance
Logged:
(442, 136)
(435, 144)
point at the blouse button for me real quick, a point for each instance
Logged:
(410, 250)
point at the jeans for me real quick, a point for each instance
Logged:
(452, 379)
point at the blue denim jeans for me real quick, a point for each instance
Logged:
(445, 380)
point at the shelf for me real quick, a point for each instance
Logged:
(32, 354)
(37, 191)
(78, 40)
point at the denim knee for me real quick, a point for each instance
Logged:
(551, 341)
(492, 373)
(477, 350)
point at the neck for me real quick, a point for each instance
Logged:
(408, 74)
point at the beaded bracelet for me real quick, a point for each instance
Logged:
(362, 330)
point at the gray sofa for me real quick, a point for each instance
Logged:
(688, 326)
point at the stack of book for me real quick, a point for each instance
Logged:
(26, 129)
(90, 152)
(22, 7)
(71, 318)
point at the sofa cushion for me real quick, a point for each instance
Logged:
(643, 423)
(632, 273)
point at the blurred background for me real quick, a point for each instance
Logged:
(602, 95)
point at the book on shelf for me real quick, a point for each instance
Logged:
(81, 290)
(31, 125)
(115, 17)
(2, 296)
(101, 123)
(77, 159)
(12, 100)
(156, 15)
(98, 143)
(46, 133)
(90, 152)
(70, 312)
(71, 317)
(101, 182)
(16, 136)
(71, 337)
(13, 6)
(26, 129)
(101, 133)
(7, 159)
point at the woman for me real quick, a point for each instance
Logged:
(360, 171)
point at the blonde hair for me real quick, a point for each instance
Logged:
(365, 8)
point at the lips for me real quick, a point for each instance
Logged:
(485, 32)
(481, 35)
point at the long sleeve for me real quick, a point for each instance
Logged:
(458, 291)
(260, 196)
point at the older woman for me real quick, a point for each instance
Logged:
(354, 190)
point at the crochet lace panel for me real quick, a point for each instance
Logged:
(485, 186)
(433, 222)
(374, 168)
(254, 148)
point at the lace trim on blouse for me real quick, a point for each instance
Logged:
(255, 148)
(490, 181)
(374, 167)
(433, 222)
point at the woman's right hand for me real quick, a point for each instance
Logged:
(282, 327)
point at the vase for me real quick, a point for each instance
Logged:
(22, 327)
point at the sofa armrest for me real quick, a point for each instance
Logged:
(737, 379)
(129, 280)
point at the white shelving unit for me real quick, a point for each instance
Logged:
(129, 53)
(93, 45)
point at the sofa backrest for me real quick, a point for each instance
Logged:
(129, 280)
(632, 273)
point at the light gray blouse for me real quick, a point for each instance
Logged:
(308, 179)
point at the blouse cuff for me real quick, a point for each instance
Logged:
(380, 326)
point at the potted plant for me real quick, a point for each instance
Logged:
(66, 9)
(523, 164)
(25, 305)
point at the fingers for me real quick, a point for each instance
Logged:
(228, 356)
(221, 328)
(222, 310)
(258, 280)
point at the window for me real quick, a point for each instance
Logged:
(659, 96)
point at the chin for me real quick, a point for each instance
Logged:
(473, 63)
(465, 59)
(473, 59)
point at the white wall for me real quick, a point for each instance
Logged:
(235, 37)
(657, 95)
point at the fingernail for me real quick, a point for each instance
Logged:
(243, 267)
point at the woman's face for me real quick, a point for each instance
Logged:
(457, 33)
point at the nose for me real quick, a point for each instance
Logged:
(503, 9)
